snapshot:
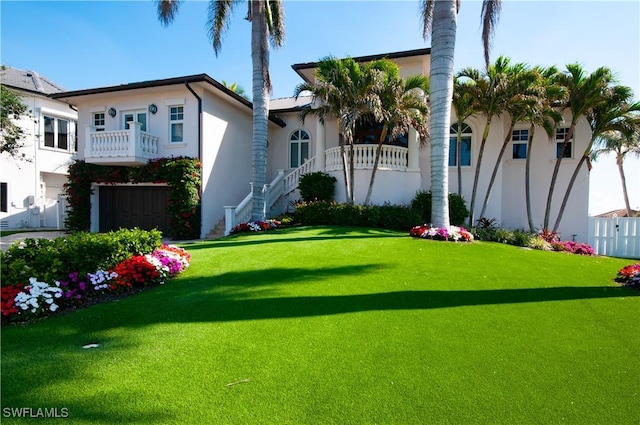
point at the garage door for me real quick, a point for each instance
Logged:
(144, 207)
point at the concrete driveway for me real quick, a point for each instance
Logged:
(7, 241)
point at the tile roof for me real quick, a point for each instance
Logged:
(28, 80)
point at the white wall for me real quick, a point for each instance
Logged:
(42, 178)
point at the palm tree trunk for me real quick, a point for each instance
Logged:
(554, 176)
(476, 176)
(260, 60)
(527, 178)
(352, 199)
(443, 37)
(383, 136)
(343, 155)
(623, 179)
(505, 143)
(568, 192)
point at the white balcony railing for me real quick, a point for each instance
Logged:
(391, 157)
(132, 145)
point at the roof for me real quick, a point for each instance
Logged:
(618, 213)
(289, 104)
(29, 81)
(188, 79)
(299, 68)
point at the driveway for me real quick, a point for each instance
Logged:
(7, 241)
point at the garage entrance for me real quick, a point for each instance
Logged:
(144, 207)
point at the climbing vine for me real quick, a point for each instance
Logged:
(181, 174)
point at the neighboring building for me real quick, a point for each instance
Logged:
(31, 192)
(198, 117)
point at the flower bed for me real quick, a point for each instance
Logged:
(255, 226)
(20, 302)
(453, 233)
(629, 276)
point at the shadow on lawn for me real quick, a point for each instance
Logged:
(330, 233)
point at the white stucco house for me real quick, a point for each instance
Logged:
(31, 191)
(196, 116)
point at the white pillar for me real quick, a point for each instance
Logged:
(413, 160)
(321, 147)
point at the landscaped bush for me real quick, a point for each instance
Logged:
(21, 302)
(458, 211)
(53, 260)
(573, 247)
(629, 276)
(317, 186)
(380, 216)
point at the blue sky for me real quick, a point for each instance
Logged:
(93, 44)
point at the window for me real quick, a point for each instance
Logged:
(298, 148)
(561, 134)
(519, 139)
(368, 133)
(58, 133)
(135, 116)
(465, 146)
(4, 198)
(176, 119)
(98, 121)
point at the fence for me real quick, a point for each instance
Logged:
(615, 237)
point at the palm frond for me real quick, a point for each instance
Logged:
(167, 10)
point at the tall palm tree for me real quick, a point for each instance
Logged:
(403, 105)
(267, 27)
(541, 114)
(489, 90)
(622, 143)
(464, 105)
(519, 97)
(614, 113)
(440, 22)
(583, 92)
(348, 91)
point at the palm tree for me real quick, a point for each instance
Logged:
(583, 92)
(440, 21)
(613, 113)
(489, 90)
(348, 91)
(541, 114)
(403, 105)
(236, 88)
(267, 27)
(519, 97)
(622, 143)
(464, 105)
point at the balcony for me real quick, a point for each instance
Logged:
(123, 147)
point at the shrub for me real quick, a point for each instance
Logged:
(385, 216)
(453, 234)
(458, 211)
(317, 186)
(53, 260)
(521, 237)
(629, 276)
(538, 242)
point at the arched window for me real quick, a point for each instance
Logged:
(464, 156)
(298, 148)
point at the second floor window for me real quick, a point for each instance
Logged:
(561, 134)
(464, 156)
(59, 133)
(519, 139)
(176, 124)
(298, 148)
(98, 121)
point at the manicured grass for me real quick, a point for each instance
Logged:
(336, 325)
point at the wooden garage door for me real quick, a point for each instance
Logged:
(144, 207)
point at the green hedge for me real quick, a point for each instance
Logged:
(380, 216)
(51, 260)
(317, 186)
(458, 211)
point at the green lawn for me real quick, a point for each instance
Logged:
(344, 326)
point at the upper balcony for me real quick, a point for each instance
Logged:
(122, 147)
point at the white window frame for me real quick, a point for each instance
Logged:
(467, 133)
(560, 135)
(299, 141)
(179, 120)
(72, 127)
(518, 140)
(94, 120)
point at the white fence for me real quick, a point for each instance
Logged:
(615, 237)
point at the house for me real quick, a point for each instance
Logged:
(31, 194)
(196, 116)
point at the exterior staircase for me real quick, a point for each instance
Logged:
(217, 232)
